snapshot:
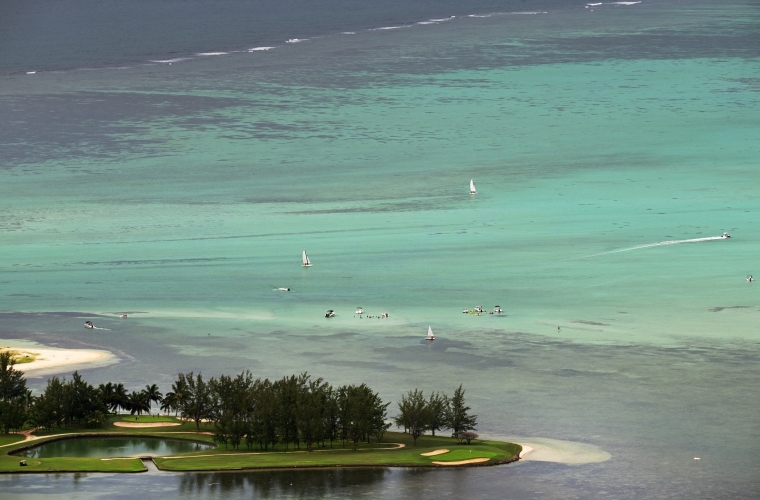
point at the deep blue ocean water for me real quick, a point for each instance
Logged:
(152, 163)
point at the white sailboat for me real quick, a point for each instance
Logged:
(472, 187)
(430, 335)
(305, 258)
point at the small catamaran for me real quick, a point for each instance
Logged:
(472, 187)
(305, 258)
(430, 335)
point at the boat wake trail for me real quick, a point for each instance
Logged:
(660, 244)
(98, 328)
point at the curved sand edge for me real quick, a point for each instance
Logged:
(145, 424)
(561, 451)
(464, 462)
(434, 452)
(51, 360)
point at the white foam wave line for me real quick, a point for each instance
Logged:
(211, 53)
(391, 27)
(348, 33)
(296, 40)
(255, 49)
(30, 72)
(659, 244)
(492, 14)
(611, 3)
(178, 59)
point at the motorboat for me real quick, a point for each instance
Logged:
(330, 313)
(725, 235)
(283, 289)
(750, 278)
(430, 335)
(88, 324)
(359, 310)
(479, 309)
(472, 187)
(465, 310)
(385, 315)
(305, 259)
(497, 309)
(124, 316)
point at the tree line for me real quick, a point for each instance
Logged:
(418, 415)
(290, 412)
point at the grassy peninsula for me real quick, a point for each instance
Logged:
(247, 422)
(388, 453)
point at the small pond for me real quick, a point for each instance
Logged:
(113, 447)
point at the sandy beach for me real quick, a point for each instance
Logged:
(52, 360)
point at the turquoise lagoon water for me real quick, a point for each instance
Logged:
(184, 194)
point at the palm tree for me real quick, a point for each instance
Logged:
(106, 392)
(138, 403)
(169, 402)
(120, 398)
(153, 394)
(179, 390)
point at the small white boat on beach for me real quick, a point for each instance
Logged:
(359, 310)
(305, 259)
(88, 324)
(430, 335)
(725, 235)
(472, 187)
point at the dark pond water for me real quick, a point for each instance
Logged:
(113, 447)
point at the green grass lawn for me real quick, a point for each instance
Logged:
(6, 439)
(410, 455)
(64, 464)
(110, 427)
(221, 458)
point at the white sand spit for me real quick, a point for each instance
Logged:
(145, 424)
(525, 450)
(434, 453)
(559, 451)
(464, 462)
(51, 360)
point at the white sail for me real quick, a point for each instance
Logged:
(472, 187)
(430, 335)
(305, 258)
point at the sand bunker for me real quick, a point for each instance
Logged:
(145, 424)
(434, 452)
(50, 360)
(464, 462)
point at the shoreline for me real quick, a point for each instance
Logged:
(233, 463)
(50, 360)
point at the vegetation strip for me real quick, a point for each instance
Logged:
(262, 424)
